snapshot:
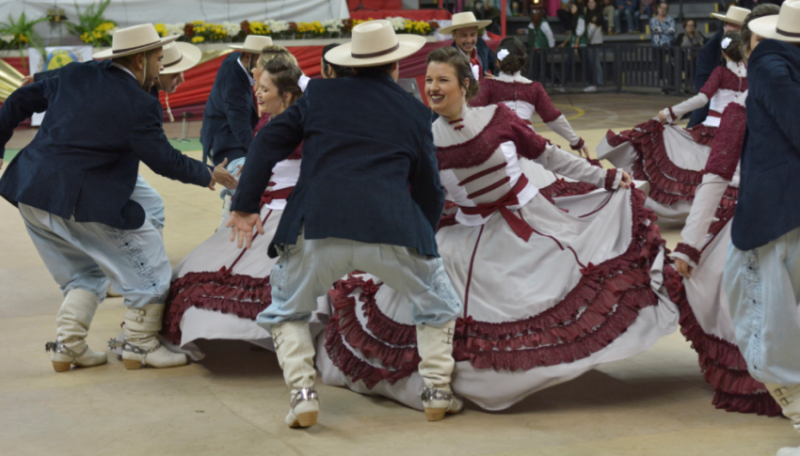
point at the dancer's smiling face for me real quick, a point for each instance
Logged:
(446, 95)
(269, 97)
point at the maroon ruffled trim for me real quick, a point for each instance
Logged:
(578, 146)
(725, 211)
(562, 187)
(668, 182)
(722, 364)
(238, 294)
(689, 251)
(611, 176)
(703, 134)
(606, 301)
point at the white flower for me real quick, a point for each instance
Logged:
(7, 38)
(231, 29)
(277, 26)
(398, 23)
(175, 29)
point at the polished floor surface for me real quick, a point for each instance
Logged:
(233, 403)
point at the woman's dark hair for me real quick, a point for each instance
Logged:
(687, 21)
(734, 48)
(765, 9)
(453, 57)
(285, 76)
(516, 58)
(338, 70)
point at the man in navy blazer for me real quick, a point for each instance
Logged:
(762, 270)
(230, 115)
(368, 198)
(73, 186)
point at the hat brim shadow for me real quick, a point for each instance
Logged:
(452, 28)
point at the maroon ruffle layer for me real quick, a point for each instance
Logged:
(668, 182)
(605, 302)
(703, 134)
(241, 295)
(720, 361)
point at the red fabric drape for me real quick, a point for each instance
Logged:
(375, 5)
(414, 15)
(191, 96)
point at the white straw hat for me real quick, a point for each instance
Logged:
(464, 20)
(253, 44)
(179, 57)
(783, 27)
(374, 43)
(134, 40)
(735, 15)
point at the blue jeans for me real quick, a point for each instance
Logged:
(307, 270)
(636, 19)
(80, 255)
(618, 19)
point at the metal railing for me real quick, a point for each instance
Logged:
(621, 67)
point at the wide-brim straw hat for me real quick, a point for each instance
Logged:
(374, 43)
(735, 15)
(464, 20)
(179, 57)
(253, 44)
(783, 27)
(134, 40)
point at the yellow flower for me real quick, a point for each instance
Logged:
(161, 29)
(198, 39)
(197, 22)
(87, 38)
(22, 38)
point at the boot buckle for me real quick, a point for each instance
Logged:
(435, 394)
(304, 394)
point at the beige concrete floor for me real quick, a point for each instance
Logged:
(233, 403)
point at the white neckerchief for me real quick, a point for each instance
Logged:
(249, 76)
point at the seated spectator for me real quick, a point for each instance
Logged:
(540, 35)
(662, 27)
(629, 8)
(646, 10)
(485, 10)
(608, 13)
(691, 38)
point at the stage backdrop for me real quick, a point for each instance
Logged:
(191, 96)
(132, 12)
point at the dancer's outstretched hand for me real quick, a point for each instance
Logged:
(241, 225)
(662, 117)
(626, 180)
(683, 268)
(225, 178)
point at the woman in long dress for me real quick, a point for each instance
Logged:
(526, 98)
(549, 291)
(218, 289)
(705, 311)
(670, 157)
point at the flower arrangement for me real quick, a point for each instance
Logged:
(92, 27)
(101, 35)
(19, 34)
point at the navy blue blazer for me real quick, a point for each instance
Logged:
(84, 160)
(769, 192)
(369, 170)
(230, 115)
(485, 55)
(708, 59)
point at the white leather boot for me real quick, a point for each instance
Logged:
(72, 327)
(295, 351)
(788, 397)
(141, 346)
(435, 346)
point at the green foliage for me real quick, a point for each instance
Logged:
(23, 33)
(90, 19)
